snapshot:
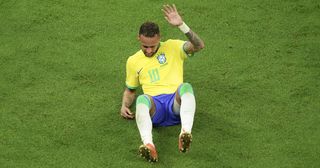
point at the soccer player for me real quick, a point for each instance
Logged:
(158, 68)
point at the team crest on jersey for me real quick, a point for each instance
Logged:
(162, 58)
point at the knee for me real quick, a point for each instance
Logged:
(143, 99)
(185, 88)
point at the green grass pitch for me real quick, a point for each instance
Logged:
(257, 83)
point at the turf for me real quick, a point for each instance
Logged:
(257, 82)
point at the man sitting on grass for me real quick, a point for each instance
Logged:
(158, 68)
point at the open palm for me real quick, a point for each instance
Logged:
(172, 15)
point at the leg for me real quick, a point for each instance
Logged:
(144, 111)
(145, 108)
(186, 98)
(186, 101)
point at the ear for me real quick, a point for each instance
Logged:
(138, 37)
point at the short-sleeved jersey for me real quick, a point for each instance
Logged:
(160, 74)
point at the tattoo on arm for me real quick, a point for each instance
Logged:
(194, 39)
(195, 44)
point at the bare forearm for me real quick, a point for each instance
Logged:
(195, 40)
(128, 98)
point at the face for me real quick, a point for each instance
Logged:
(149, 45)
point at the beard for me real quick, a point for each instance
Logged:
(149, 54)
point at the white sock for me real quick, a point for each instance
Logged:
(144, 123)
(187, 111)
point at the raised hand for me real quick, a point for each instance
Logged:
(172, 15)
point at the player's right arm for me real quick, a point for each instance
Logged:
(132, 82)
(127, 100)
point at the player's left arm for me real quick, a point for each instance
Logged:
(195, 43)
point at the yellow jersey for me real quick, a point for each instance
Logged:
(160, 74)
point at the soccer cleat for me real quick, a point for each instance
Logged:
(185, 140)
(148, 152)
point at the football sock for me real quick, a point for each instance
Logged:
(187, 111)
(143, 119)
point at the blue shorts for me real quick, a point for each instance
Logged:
(164, 115)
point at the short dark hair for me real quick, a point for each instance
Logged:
(149, 29)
